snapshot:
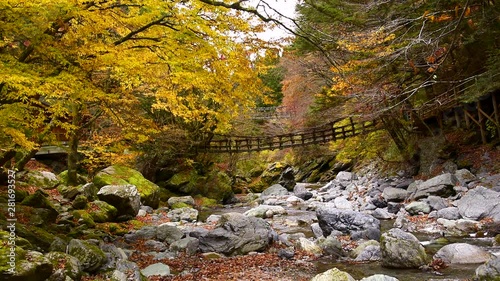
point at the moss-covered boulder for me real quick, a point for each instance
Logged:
(83, 218)
(101, 211)
(80, 202)
(216, 186)
(401, 250)
(63, 176)
(333, 274)
(66, 265)
(33, 266)
(39, 238)
(90, 256)
(42, 179)
(39, 199)
(121, 175)
(125, 198)
(70, 192)
(10, 258)
(184, 181)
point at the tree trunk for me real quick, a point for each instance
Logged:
(74, 139)
(7, 156)
(24, 160)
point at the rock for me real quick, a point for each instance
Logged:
(369, 253)
(39, 200)
(331, 246)
(356, 224)
(168, 233)
(89, 255)
(436, 202)
(342, 203)
(125, 198)
(34, 267)
(70, 192)
(101, 211)
(38, 237)
(186, 200)
(43, 179)
(114, 256)
(80, 202)
(344, 176)
(237, 234)
(69, 265)
(301, 192)
(145, 233)
(58, 245)
(286, 253)
(274, 190)
(121, 175)
(333, 274)
(183, 214)
(383, 214)
(157, 269)
(316, 229)
(391, 194)
(417, 207)
(450, 213)
(480, 203)
(401, 250)
(155, 246)
(309, 246)
(490, 271)
(189, 245)
(265, 211)
(287, 178)
(459, 227)
(130, 269)
(462, 253)
(441, 185)
(464, 176)
(379, 277)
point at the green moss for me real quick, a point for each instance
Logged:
(5, 251)
(204, 202)
(37, 236)
(101, 211)
(178, 205)
(112, 228)
(136, 224)
(84, 217)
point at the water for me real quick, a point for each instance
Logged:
(287, 224)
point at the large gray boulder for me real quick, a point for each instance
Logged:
(480, 203)
(356, 224)
(183, 214)
(490, 270)
(168, 233)
(401, 250)
(274, 190)
(33, 267)
(441, 185)
(90, 256)
(462, 253)
(125, 198)
(265, 211)
(67, 265)
(237, 234)
(392, 194)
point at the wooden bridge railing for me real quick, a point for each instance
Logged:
(324, 134)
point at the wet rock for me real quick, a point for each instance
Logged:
(459, 227)
(333, 274)
(462, 253)
(157, 269)
(490, 271)
(401, 250)
(266, 211)
(287, 178)
(183, 214)
(125, 198)
(237, 234)
(480, 203)
(274, 190)
(369, 253)
(441, 185)
(89, 255)
(68, 265)
(316, 229)
(331, 246)
(356, 224)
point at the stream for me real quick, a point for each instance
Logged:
(299, 219)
